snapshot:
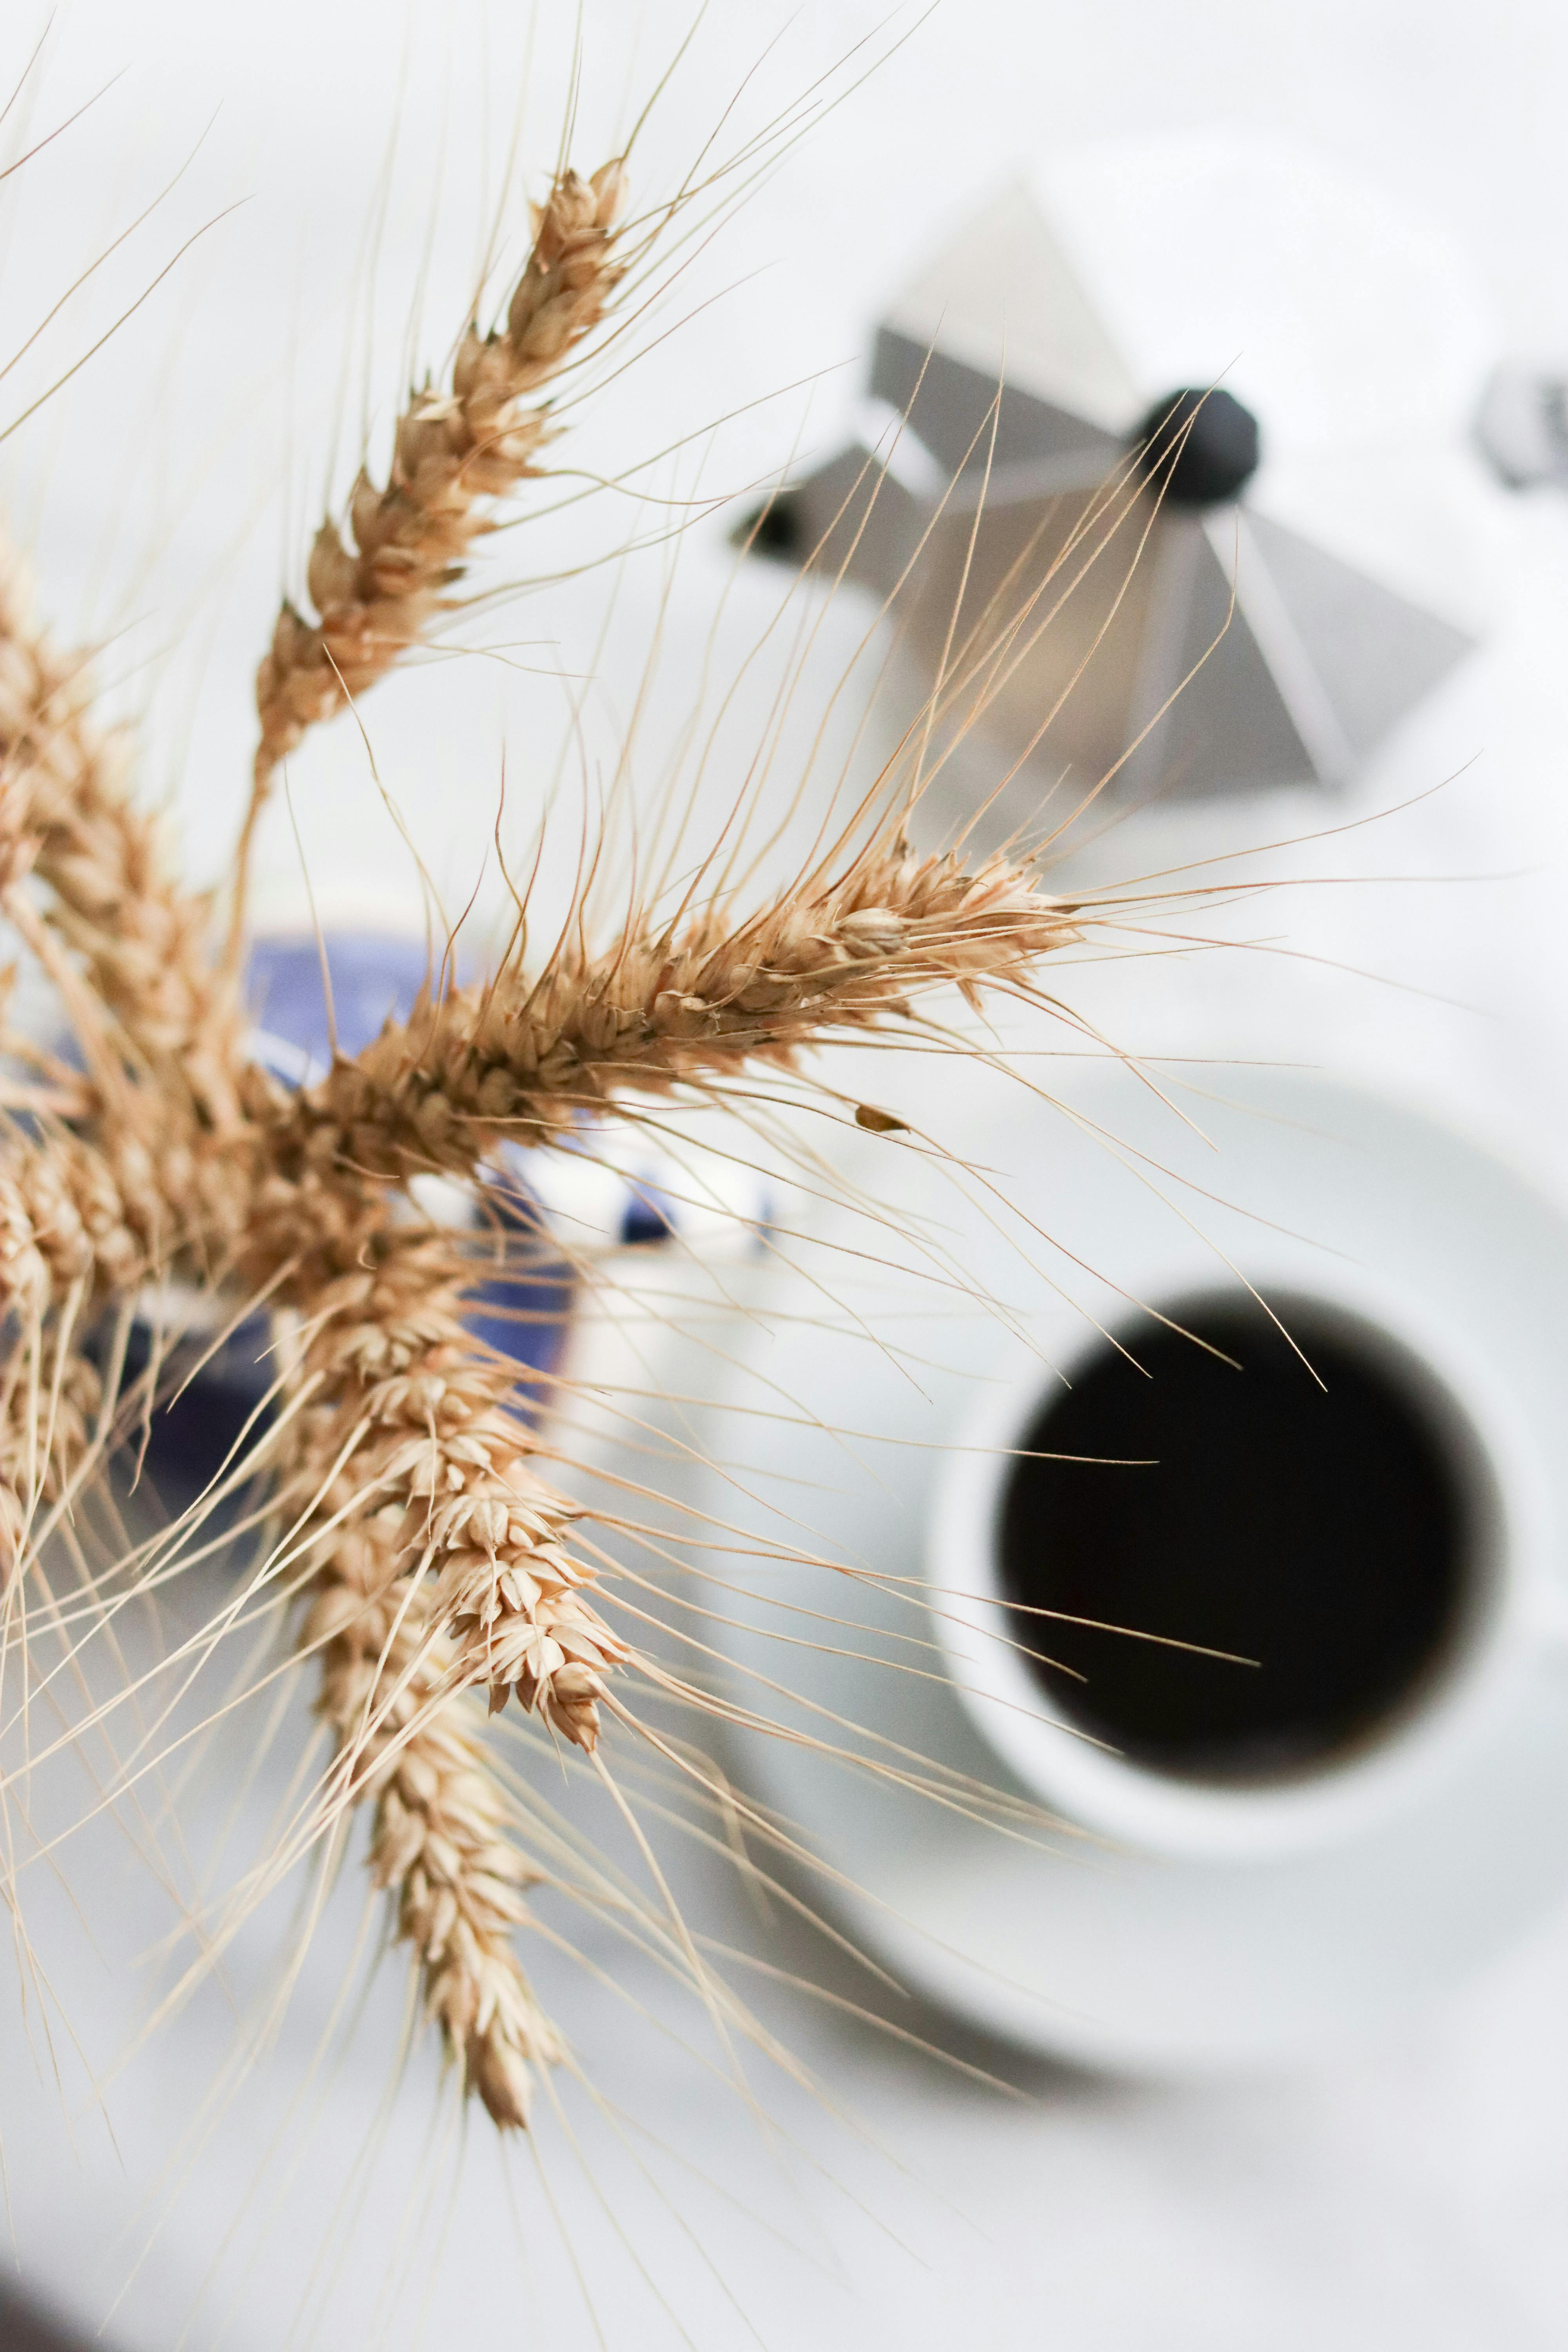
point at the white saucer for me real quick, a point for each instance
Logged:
(826, 1435)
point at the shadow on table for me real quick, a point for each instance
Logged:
(877, 2026)
(25, 2327)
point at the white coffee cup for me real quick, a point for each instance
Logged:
(1508, 1607)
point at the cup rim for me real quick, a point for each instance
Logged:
(1081, 1777)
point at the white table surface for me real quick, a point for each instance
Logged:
(1412, 2198)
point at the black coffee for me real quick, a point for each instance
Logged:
(1325, 1532)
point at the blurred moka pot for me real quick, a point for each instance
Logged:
(1167, 473)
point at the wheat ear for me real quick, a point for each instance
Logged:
(690, 1003)
(455, 454)
(79, 1225)
(84, 1221)
(442, 1567)
(50, 1397)
(437, 1839)
(405, 1413)
(73, 1219)
(66, 815)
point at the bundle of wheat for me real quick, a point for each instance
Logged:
(418, 1538)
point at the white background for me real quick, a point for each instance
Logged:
(1415, 2198)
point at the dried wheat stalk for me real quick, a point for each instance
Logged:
(89, 1216)
(404, 1412)
(49, 1401)
(440, 1565)
(525, 1057)
(74, 1229)
(67, 814)
(439, 1841)
(407, 1460)
(455, 453)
